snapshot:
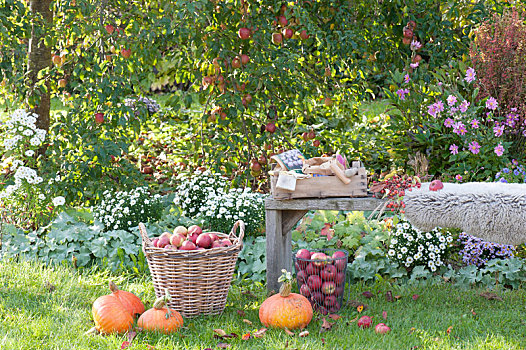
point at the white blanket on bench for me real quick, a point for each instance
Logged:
(495, 212)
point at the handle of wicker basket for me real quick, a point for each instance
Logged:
(241, 225)
(145, 239)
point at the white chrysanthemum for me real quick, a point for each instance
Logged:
(394, 241)
(391, 252)
(57, 201)
(403, 250)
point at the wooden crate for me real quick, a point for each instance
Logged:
(323, 187)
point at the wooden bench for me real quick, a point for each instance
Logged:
(282, 216)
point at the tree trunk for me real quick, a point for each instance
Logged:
(39, 59)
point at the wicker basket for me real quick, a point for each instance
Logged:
(198, 280)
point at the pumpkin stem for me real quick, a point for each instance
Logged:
(113, 287)
(161, 302)
(286, 287)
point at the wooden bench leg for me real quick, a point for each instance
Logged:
(279, 246)
(279, 250)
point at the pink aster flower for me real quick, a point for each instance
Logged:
(458, 177)
(470, 75)
(454, 149)
(432, 110)
(451, 100)
(499, 150)
(448, 123)
(415, 45)
(474, 147)
(464, 106)
(475, 123)
(498, 130)
(439, 106)
(459, 128)
(406, 78)
(491, 103)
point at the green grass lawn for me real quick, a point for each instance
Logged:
(50, 308)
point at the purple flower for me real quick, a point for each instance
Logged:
(475, 123)
(459, 128)
(470, 75)
(454, 149)
(498, 130)
(402, 92)
(514, 162)
(464, 106)
(453, 110)
(491, 103)
(474, 147)
(406, 78)
(499, 150)
(458, 177)
(451, 100)
(448, 123)
(414, 65)
(439, 106)
(432, 110)
(415, 45)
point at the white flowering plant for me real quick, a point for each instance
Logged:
(222, 209)
(126, 209)
(206, 197)
(23, 195)
(411, 247)
(194, 190)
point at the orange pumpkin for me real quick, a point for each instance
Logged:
(110, 315)
(286, 309)
(130, 301)
(161, 318)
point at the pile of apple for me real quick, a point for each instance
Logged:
(191, 238)
(321, 278)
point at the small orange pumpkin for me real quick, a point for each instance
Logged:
(161, 318)
(110, 315)
(286, 309)
(130, 301)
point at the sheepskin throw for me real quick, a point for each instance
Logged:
(495, 212)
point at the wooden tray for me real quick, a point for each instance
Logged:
(323, 187)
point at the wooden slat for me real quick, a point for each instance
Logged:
(358, 204)
(324, 187)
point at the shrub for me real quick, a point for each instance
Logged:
(512, 173)
(410, 247)
(124, 210)
(24, 196)
(497, 53)
(476, 251)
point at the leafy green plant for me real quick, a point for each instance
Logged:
(71, 241)
(252, 261)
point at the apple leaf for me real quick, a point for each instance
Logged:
(241, 313)
(247, 321)
(260, 333)
(246, 336)
(326, 325)
(223, 345)
(384, 315)
(220, 332)
(335, 317)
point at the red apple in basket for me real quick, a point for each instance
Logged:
(155, 241)
(203, 240)
(339, 278)
(194, 229)
(314, 282)
(321, 259)
(316, 296)
(214, 236)
(329, 273)
(188, 245)
(169, 246)
(301, 255)
(340, 260)
(193, 237)
(225, 242)
(311, 269)
(301, 276)
(338, 291)
(331, 301)
(181, 229)
(305, 291)
(328, 288)
(164, 240)
(177, 240)
(216, 244)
